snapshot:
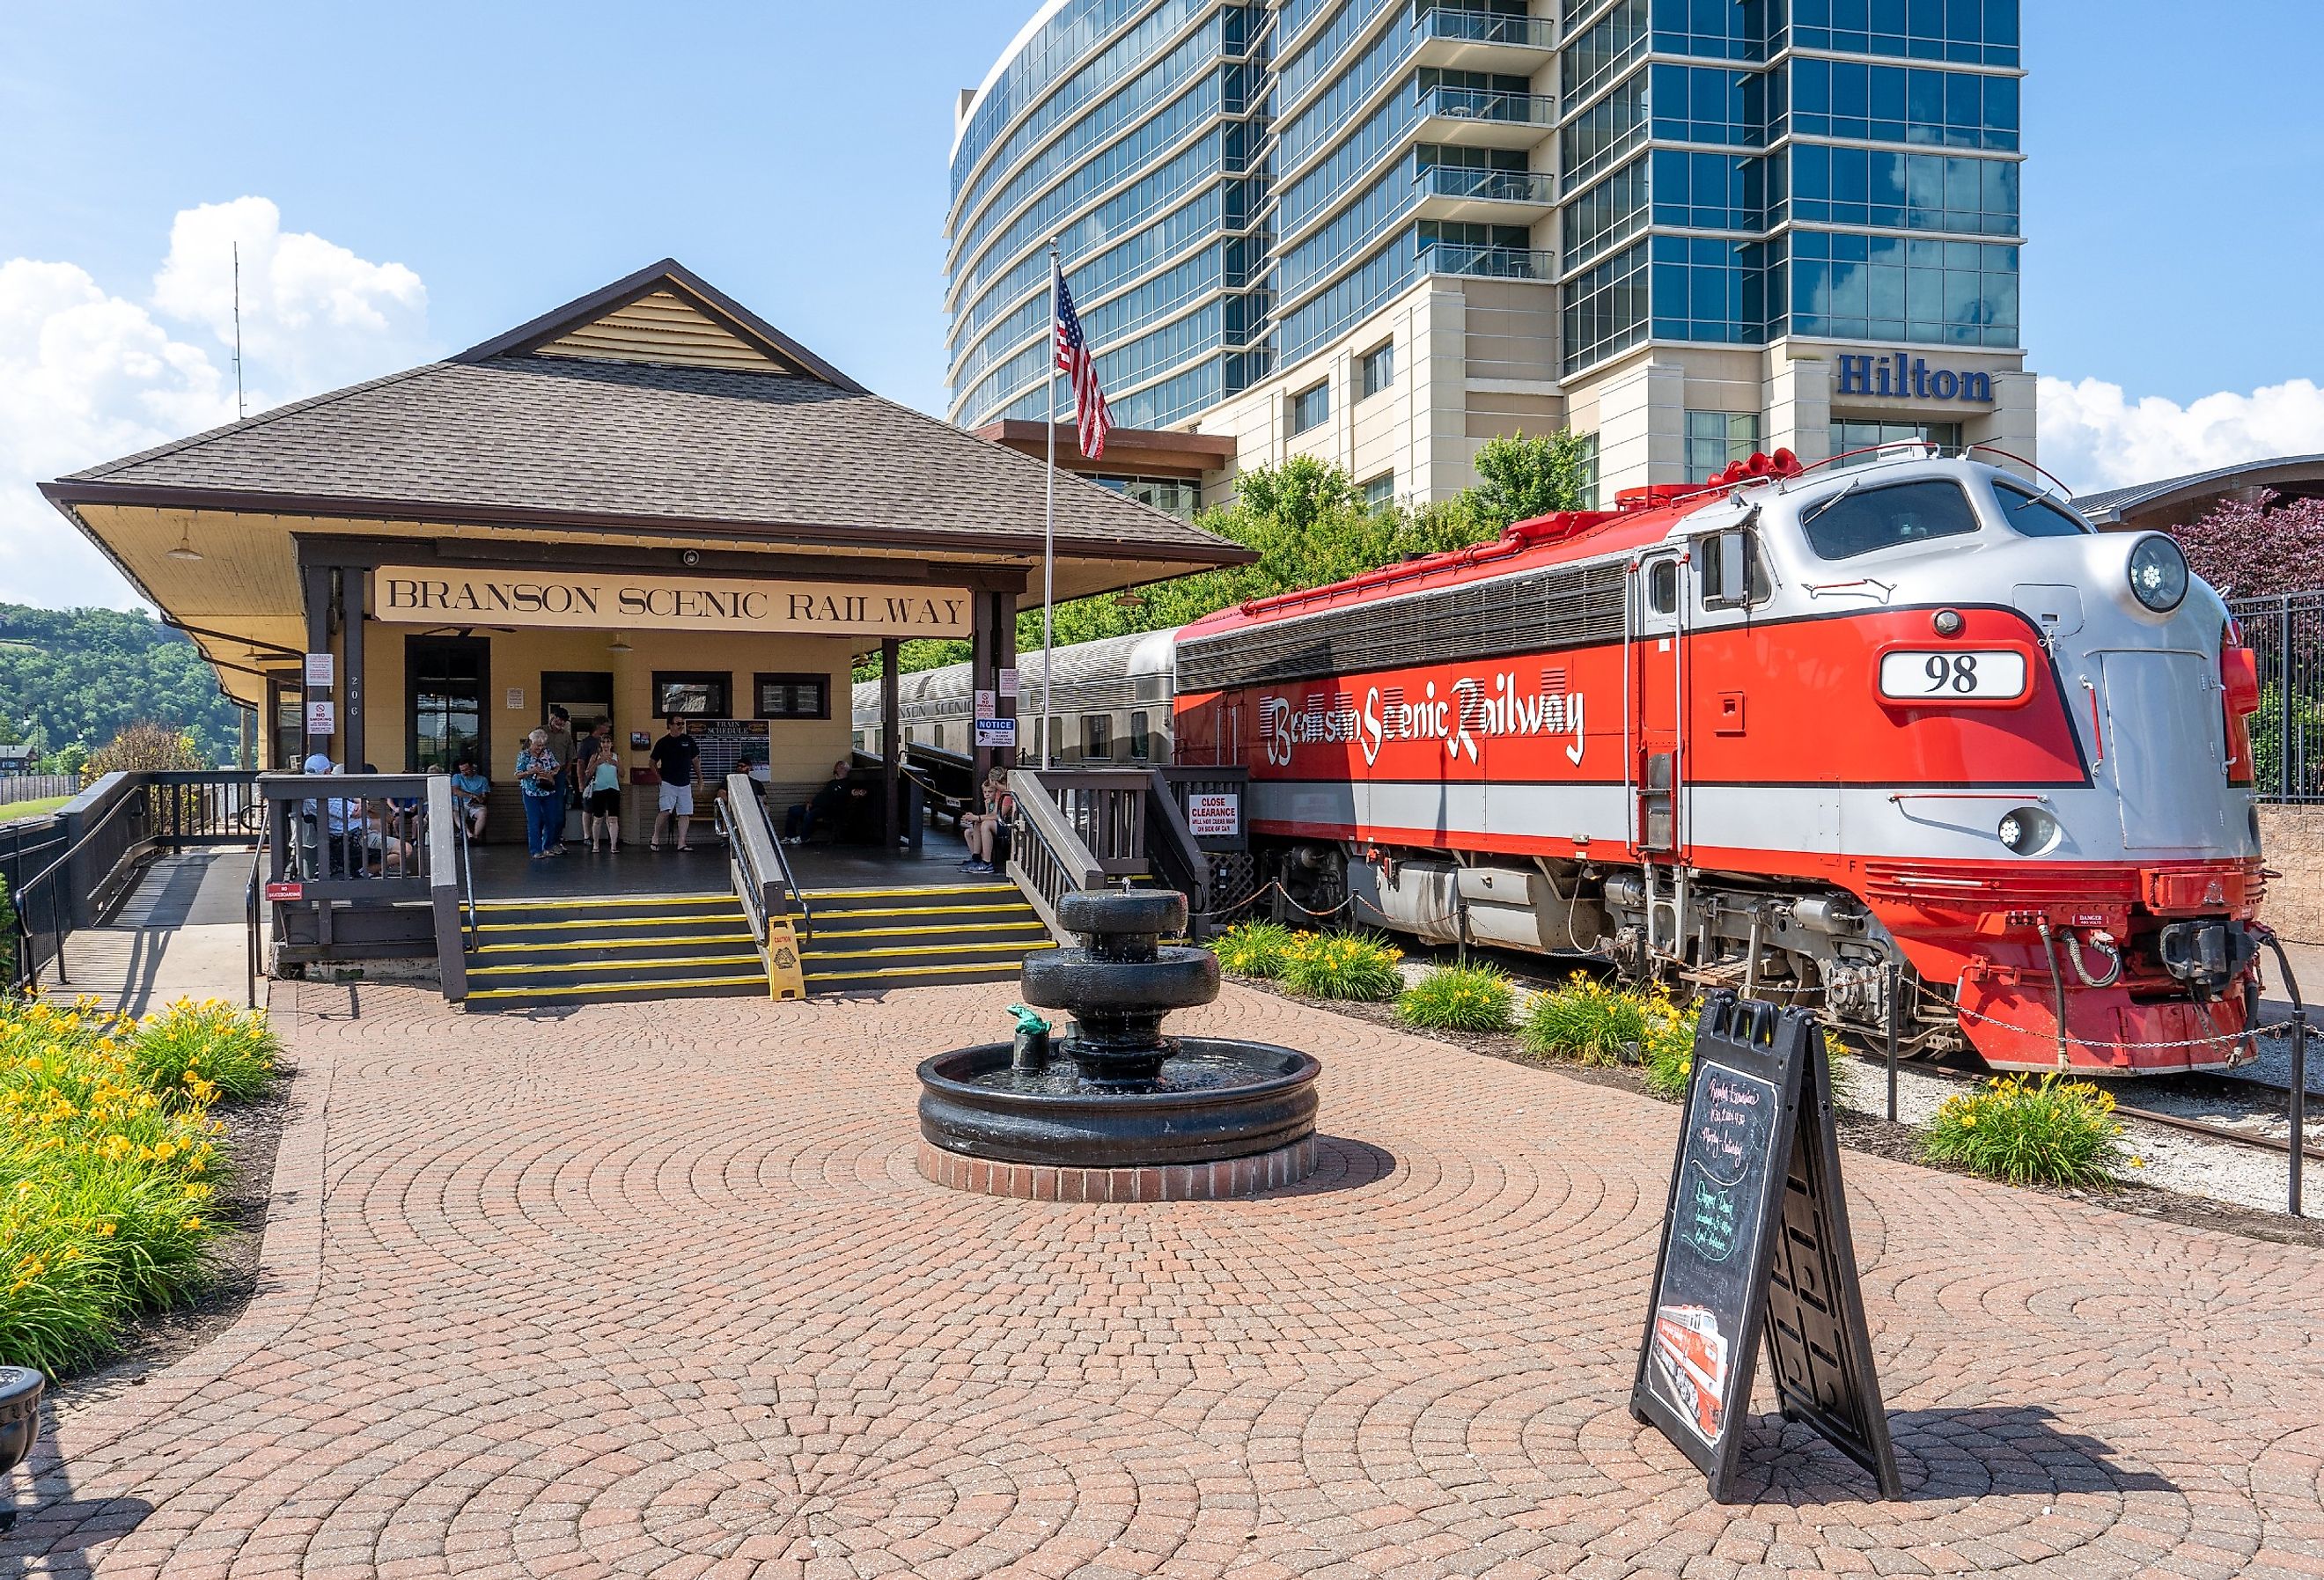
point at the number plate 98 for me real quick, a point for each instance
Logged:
(1953, 675)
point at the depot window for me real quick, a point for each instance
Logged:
(794, 696)
(1843, 526)
(693, 694)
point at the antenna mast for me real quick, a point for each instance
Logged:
(238, 409)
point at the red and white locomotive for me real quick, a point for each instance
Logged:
(1786, 732)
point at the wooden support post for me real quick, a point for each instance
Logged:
(982, 670)
(891, 739)
(1004, 657)
(317, 589)
(350, 688)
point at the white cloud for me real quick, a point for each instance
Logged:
(2095, 438)
(88, 376)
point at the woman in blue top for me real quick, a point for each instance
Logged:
(544, 796)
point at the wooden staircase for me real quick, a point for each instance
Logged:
(866, 940)
(532, 953)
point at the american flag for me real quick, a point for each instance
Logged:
(1073, 359)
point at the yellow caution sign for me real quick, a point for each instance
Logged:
(784, 978)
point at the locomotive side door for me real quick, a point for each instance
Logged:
(1656, 703)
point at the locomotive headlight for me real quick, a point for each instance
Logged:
(2028, 831)
(1946, 622)
(2158, 573)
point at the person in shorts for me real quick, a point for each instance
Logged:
(601, 789)
(675, 757)
(469, 790)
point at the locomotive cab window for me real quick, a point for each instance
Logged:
(1866, 520)
(2029, 516)
(1711, 554)
(1662, 586)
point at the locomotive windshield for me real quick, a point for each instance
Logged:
(2029, 515)
(1867, 520)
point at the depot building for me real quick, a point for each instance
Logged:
(649, 502)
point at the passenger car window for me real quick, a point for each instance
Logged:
(2029, 516)
(1895, 517)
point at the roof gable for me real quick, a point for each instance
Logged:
(667, 316)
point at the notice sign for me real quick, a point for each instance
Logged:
(1008, 678)
(608, 601)
(318, 671)
(322, 719)
(996, 732)
(282, 893)
(1214, 815)
(1756, 1246)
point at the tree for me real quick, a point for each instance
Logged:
(148, 744)
(81, 675)
(1530, 477)
(2249, 547)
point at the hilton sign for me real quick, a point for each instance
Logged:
(1901, 376)
(428, 595)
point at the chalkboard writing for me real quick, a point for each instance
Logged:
(1755, 1148)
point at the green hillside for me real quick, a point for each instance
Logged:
(78, 675)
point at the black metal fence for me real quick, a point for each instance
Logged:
(2287, 734)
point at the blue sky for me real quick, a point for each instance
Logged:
(509, 158)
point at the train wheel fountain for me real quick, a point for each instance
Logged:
(1120, 1112)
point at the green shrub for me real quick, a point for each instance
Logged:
(1595, 1023)
(1253, 949)
(1459, 998)
(107, 1159)
(233, 1050)
(2049, 1131)
(1341, 965)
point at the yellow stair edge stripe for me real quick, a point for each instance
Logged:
(816, 977)
(562, 902)
(605, 921)
(739, 937)
(759, 981)
(820, 915)
(1018, 944)
(912, 888)
(752, 959)
(897, 932)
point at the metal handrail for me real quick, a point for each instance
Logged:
(470, 921)
(63, 864)
(791, 883)
(250, 915)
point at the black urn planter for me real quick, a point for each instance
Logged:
(21, 1387)
(1117, 1094)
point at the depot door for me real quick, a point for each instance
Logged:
(1657, 702)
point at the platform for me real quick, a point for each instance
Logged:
(505, 872)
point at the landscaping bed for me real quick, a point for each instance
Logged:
(135, 1163)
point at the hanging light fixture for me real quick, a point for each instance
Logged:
(185, 549)
(617, 645)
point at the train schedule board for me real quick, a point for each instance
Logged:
(1756, 1249)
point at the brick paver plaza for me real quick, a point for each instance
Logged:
(656, 1290)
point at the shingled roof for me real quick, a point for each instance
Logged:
(544, 426)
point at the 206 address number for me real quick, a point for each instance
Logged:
(1952, 675)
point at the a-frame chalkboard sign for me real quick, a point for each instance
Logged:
(1756, 1243)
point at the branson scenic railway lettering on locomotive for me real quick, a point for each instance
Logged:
(1470, 710)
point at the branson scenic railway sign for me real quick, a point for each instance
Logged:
(432, 595)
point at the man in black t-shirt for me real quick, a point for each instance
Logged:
(674, 757)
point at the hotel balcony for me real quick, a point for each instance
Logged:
(1486, 196)
(1487, 262)
(1480, 118)
(1479, 40)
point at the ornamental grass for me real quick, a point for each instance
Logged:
(108, 1158)
(1342, 964)
(1459, 998)
(2045, 1131)
(1253, 949)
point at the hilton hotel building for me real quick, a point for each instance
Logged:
(1383, 231)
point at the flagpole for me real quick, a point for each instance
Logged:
(1049, 523)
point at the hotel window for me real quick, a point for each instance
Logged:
(794, 696)
(1713, 438)
(693, 694)
(1381, 492)
(1866, 436)
(1378, 369)
(1588, 471)
(1310, 408)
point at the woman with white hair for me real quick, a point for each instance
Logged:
(537, 770)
